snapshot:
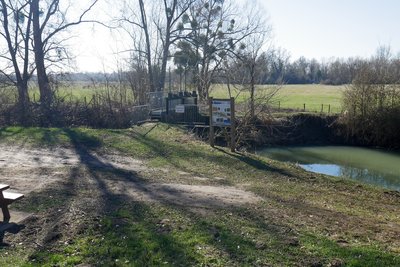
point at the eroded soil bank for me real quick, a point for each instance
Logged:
(317, 129)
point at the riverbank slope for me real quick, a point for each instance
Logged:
(316, 129)
(155, 195)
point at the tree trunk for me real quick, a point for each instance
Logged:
(21, 79)
(23, 103)
(202, 80)
(148, 47)
(163, 75)
(252, 90)
(169, 12)
(46, 95)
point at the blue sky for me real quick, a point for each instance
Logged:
(323, 29)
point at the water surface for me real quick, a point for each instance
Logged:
(371, 166)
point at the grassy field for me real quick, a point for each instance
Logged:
(288, 97)
(73, 92)
(253, 211)
(80, 92)
(295, 96)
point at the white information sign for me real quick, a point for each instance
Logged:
(221, 112)
(180, 109)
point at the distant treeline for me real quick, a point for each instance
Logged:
(276, 67)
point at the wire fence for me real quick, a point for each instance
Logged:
(307, 107)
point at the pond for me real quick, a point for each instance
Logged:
(372, 166)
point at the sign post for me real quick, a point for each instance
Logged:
(179, 109)
(210, 101)
(233, 125)
(222, 114)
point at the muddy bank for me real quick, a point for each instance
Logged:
(320, 129)
(303, 129)
(296, 130)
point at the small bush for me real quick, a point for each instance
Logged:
(99, 113)
(372, 107)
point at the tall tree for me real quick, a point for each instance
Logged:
(186, 60)
(145, 27)
(158, 24)
(216, 30)
(16, 18)
(49, 20)
(251, 59)
(43, 80)
(137, 25)
(170, 30)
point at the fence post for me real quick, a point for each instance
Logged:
(167, 105)
(85, 100)
(304, 107)
(233, 126)
(34, 97)
(211, 137)
(322, 108)
(329, 108)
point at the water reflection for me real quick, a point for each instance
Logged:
(375, 167)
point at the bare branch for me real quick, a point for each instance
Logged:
(79, 21)
(50, 12)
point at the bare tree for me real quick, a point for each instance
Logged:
(137, 26)
(16, 18)
(159, 26)
(251, 58)
(247, 67)
(145, 27)
(216, 31)
(49, 20)
(136, 78)
(372, 102)
(170, 30)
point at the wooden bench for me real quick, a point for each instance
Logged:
(6, 198)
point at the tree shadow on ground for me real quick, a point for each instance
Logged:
(167, 151)
(255, 163)
(12, 228)
(101, 173)
(132, 230)
(173, 250)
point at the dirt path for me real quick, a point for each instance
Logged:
(68, 189)
(28, 170)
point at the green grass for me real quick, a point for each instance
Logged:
(81, 92)
(362, 256)
(69, 92)
(289, 96)
(295, 96)
(300, 221)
